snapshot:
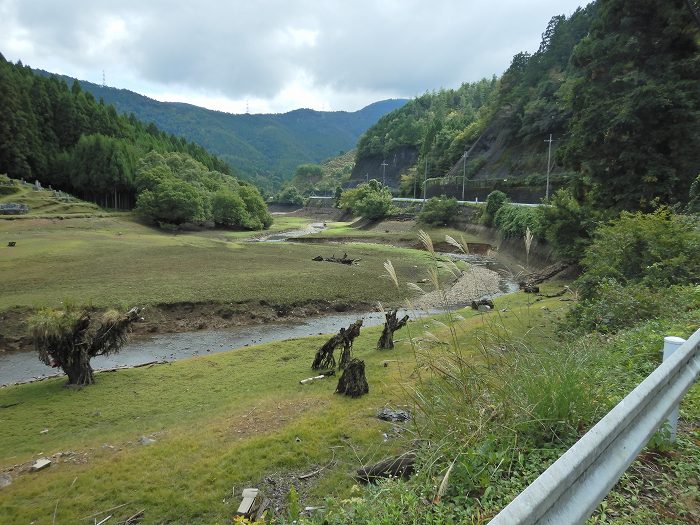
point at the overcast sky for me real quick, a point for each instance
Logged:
(275, 55)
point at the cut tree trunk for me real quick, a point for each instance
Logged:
(353, 382)
(386, 340)
(79, 373)
(324, 356)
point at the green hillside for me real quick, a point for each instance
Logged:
(66, 140)
(265, 148)
(615, 84)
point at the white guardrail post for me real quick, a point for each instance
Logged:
(671, 344)
(569, 491)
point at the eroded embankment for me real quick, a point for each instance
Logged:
(188, 317)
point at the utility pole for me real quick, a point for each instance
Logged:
(425, 180)
(464, 171)
(549, 164)
(415, 183)
(384, 165)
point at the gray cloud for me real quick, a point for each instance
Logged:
(259, 49)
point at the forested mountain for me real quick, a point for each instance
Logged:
(264, 148)
(63, 137)
(616, 84)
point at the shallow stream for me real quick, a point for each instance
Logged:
(25, 366)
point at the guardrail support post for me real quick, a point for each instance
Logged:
(671, 344)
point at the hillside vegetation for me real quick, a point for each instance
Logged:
(615, 84)
(65, 138)
(68, 141)
(263, 148)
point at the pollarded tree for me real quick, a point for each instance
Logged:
(70, 338)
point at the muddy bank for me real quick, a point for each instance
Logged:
(188, 317)
(168, 347)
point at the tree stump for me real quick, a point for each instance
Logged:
(324, 356)
(353, 382)
(386, 340)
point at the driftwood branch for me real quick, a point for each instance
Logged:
(318, 471)
(341, 260)
(542, 275)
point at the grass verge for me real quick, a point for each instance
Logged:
(220, 421)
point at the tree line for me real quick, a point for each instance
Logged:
(63, 137)
(616, 83)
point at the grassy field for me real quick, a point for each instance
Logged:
(44, 204)
(116, 260)
(219, 422)
(400, 233)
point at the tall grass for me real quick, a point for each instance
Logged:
(479, 406)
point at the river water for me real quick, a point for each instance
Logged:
(25, 366)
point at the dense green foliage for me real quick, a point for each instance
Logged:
(175, 189)
(324, 178)
(262, 148)
(494, 202)
(567, 225)
(289, 195)
(439, 211)
(637, 267)
(441, 125)
(63, 137)
(371, 200)
(635, 125)
(656, 249)
(615, 84)
(512, 221)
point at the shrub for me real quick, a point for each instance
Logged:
(290, 195)
(228, 209)
(567, 225)
(172, 201)
(8, 186)
(616, 306)
(656, 249)
(371, 200)
(438, 211)
(258, 216)
(512, 221)
(494, 201)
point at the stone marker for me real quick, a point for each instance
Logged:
(5, 480)
(246, 506)
(40, 464)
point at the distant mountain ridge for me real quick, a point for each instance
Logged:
(264, 148)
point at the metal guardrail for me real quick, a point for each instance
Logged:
(569, 491)
(407, 199)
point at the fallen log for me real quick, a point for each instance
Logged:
(341, 260)
(397, 467)
(542, 275)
